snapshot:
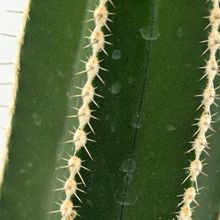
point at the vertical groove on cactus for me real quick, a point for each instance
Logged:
(14, 83)
(153, 21)
(200, 143)
(84, 115)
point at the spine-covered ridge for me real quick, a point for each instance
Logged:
(14, 84)
(97, 41)
(200, 144)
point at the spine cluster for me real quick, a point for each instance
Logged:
(200, 143)
(14, 83)
(84, 113)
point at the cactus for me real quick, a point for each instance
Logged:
(144, 121)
